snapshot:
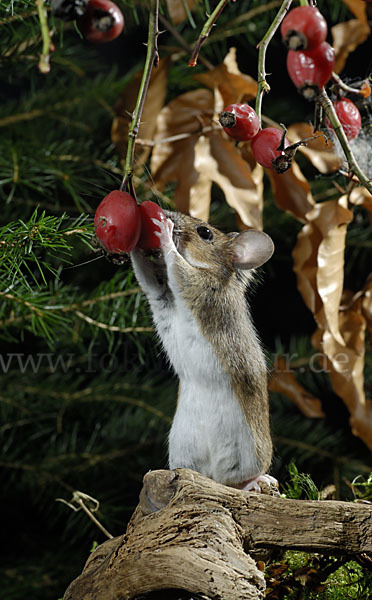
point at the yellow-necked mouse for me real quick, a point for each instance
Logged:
(197, 293)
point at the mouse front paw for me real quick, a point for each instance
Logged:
(165, 234)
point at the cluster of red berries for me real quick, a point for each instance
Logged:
(97, 20)
(241, 123)
(310, 63)
(310, 59)
(121, 224)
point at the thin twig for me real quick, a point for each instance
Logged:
(330, 111)
(44, 62)
(206, 31)
(111, 327)
(263, 86)
(80, 498)
(152, 58)
(178, 136)
(364, 90)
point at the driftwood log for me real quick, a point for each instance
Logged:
(189, 533)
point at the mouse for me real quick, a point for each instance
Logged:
(196, 285)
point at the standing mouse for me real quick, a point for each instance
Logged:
(196, 291)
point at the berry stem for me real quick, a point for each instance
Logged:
(152, 58)
(206, 31)
(44, 62)
(330, 111)
(263, 87)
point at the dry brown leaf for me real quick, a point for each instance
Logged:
(346, 37)
(284, 382)
(154, 102)
(340, 337)
(361, 197)
(332, 219)
(319, 262)
(367, 303)
(217, 160)
(233, 85)
(320, 153)
(292, 192)
(177, 10)
(358, 8)
(174, 161)
(199, 160)
(346, 366)
(305, 265)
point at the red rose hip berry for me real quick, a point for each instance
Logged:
(304, 28)
(240, 122)
(118, 222)
(264, 147)
(148, 239)
(101, 22)
(349, 117)
(310, 70)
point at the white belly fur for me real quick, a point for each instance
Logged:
(210, 433)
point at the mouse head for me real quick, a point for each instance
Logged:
(204, 246)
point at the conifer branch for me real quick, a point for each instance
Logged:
(263, 87)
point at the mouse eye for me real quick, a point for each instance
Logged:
(205, 233)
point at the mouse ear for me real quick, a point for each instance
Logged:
(251, 249)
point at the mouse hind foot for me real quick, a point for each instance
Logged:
(264, 484)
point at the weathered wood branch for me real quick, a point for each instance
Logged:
(190, 533)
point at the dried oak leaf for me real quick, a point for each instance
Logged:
(284, 382)
(218, 161)
(154, 102)
(346, 366)
(319, 262)
(198, 160)
(292, 191)
(360, 196)
(320, 152)
(233, 85)
(346, 37)
(340, 336)
(173, 161)
(176, 9)
(367, 303)
(358, 8)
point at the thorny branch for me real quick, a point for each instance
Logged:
(330, 111)
(263, 86)
(152, 58)
(206, 31)
(180, 39)
(44, 62)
